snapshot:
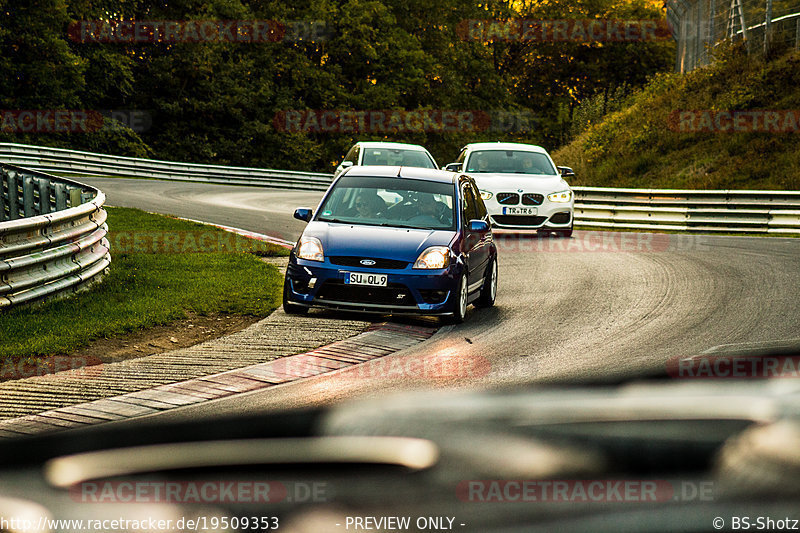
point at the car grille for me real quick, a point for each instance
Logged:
(394, 294)
(560, 218)
(355, 261)
(507, 198)
(518, 220)
(530, 198)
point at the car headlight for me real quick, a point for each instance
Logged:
(310, 248)
(433, 257)
(486, 195)
(561, 197)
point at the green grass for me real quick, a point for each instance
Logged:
(149, 286)
(635, 146)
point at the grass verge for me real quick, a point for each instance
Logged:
(162, 268)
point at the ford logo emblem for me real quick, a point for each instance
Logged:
(367, 262)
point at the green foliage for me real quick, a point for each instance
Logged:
(593, 109)
(216, 102)
(639, 145)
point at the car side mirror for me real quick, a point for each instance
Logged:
(566, 172)
(452, 167)
(303, 213)
(346, 164)
(478, 226)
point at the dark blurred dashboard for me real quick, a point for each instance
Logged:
(644, 456)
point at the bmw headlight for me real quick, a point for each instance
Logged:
(560, 197)
(310, 248)
(486, 195)
(433, 257)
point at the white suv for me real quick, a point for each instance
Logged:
(386, 154)
(520, 185)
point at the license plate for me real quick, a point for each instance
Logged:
(360, 278)
(519, 210)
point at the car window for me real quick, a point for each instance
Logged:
(480, 207)
(510, 162)
(385, 201)
(396, 157)
(461, 156)
(352, 155)
(470, 209)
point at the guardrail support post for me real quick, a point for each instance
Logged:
(74, 197)
(44, 197)
(27, 196)
(61, 196)
(13, 196)
(3, 187)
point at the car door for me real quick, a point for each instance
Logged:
(475, 248)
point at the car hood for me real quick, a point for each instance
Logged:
(536, 183)
(376, 242)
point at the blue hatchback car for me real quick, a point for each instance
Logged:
(396, 240)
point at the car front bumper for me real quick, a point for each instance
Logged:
(408, 291)
(549, 215)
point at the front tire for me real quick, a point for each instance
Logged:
(460, 305)
(288, 307)
(489, 289)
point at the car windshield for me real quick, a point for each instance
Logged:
(395, 202)
(396, 157)
(510, 162)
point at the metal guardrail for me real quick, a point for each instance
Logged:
(688, 210)
(595, 207)
(52, 236)
(90, 164)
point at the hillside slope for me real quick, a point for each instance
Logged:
(668, 135)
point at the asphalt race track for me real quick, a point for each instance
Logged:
(252, 208)
(598, 306)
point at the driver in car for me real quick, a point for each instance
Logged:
(369, 205)
(428, 212)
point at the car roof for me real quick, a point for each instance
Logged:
(381, 144)
(428, 174)
(505, 146)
